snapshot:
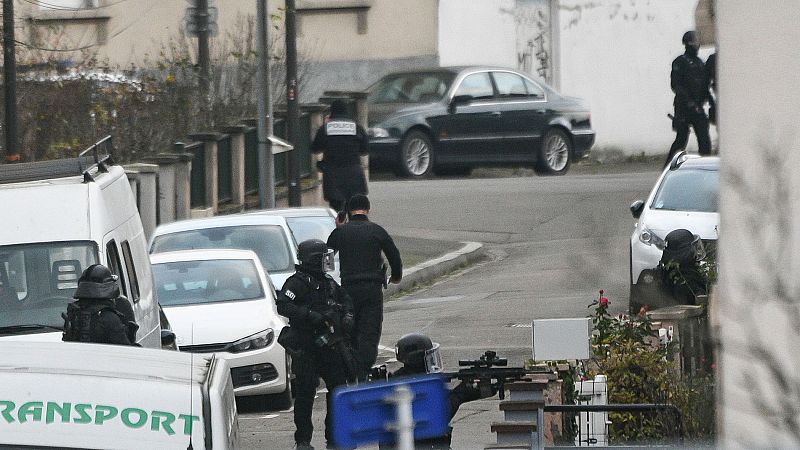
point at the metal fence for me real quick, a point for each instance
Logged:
(197, 177)
(224, 169)
(251, 161)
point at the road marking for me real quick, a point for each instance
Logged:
(268, 416)
(519, 325)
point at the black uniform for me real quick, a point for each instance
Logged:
(341, 142)
(689, 81)
(711, 70)
(314, 304)
(360, 243)
(96, 321)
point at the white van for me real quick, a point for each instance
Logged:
(58, 218)
(76, 395)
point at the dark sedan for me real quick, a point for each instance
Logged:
(450, 119)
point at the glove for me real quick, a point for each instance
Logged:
(316, 318)
(348, 322)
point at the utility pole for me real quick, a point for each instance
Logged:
(10, 82)
(292, 113)
(203, 58)
(266, 162)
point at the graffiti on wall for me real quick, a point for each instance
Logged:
(534, 44)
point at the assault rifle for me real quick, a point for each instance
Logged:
(489, 372)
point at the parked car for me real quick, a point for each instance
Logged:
(451, 119)
(685, 196)
(268, 236)
(312, 222)
(220, 302)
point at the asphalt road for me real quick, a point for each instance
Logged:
(552, 242)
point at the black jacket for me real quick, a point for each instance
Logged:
(360, 243)
(689, 81)
(341, 141)
(106, 326)
(304, 292)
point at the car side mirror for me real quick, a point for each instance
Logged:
(636, 208)
(459, 100)
(167, 339)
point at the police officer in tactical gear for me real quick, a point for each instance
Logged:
(341, 142)
(95, 316)
(680, 266)
(360, 244)
(689, 81)
(419, 355)
(320, 316)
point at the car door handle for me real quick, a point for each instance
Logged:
(541, 111)
(495, 113)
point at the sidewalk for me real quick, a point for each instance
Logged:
(427, 259)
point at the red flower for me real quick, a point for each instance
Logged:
(603, 301)
(601, 292)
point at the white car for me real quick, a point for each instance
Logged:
(220, 302)
(685, 196)
(268, 236)
(308, 222)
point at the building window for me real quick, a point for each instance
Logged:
(67, 4)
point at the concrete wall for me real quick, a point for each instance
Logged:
(510, 33)
(617, 55)
(759, 291)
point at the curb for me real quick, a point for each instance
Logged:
(434, 268)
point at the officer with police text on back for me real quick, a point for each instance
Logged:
(689, 81)
(360, 244)
(320, 320)
(341, 142)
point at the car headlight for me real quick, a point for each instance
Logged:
(259, 340)
(378, 132)
(650, 238)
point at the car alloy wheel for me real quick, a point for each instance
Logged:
(554, 153)
(416, 155)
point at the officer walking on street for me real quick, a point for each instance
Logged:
(320, 320)
(96, 316)
(341, 142)
(360, 244)
(689, 81)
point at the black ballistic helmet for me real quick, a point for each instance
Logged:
(682, 246)
(689, 38)
(97, 282)
(311, 254)
(357, 202)
(411, 348)
(338, 108)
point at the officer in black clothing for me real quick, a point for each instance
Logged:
(360, 243)
(711, 70)
(419, 355)
(341, 142)
(95, 317)
(320, 317)
(689, 81)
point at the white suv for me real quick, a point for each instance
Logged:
(685, 196)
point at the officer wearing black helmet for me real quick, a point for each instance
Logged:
(96, 316)
(419, 356)
(320, 318)
(680, 266)
(689, 81)
(360, 244)
(341, 142)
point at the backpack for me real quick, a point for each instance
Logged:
(80, 322)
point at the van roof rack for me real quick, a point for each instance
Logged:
(98, 156)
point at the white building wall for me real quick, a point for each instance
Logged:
(757, 305)
(617, 55)
(477, 32)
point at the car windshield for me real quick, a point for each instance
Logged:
(316, 227)
(267, 241)
(424, 87)
(688, 190)
(37, 282)
(207, 281)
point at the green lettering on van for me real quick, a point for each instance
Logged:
(166, 420)
(30, 409)
(126, 417)
(62, 410)
(83, 415)
(7, 408)
(103, 413)
(187, 423)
